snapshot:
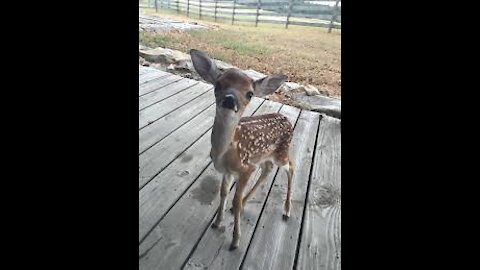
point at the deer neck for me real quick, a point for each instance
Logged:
(222, 133)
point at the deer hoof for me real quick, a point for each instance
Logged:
(285, 217)
(233, 247)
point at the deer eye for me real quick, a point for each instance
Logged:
(249, 95)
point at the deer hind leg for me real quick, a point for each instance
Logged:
(266, 169)
(288, 202)
(226, 184)
(287, 165)
(283, 161)
(237, 207)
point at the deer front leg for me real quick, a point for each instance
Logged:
(237, 208)
(226, 184)
(266, 169)
(288, 202)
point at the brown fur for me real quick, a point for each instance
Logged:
(261, 137)
(239, 144)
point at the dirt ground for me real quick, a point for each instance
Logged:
(308, 55)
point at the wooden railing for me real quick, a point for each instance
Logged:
(288, 12)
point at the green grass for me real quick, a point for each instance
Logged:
(155, 40)
(226, 41)
(232, 41)
(245, 48)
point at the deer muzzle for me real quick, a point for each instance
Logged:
(230, 102)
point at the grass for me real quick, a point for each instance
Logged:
(231, 40)
(243, 48)
(308, 55)
(156, 40)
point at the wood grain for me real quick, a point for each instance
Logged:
(164, 92)
(213, 251)
(175, 237)
(274, 242)
(158, 110)
(159, 129)
(161, 193)
(150, 77)
(156, 84)
(178, 187)
(320, 245)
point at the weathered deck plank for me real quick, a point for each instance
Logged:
(161, 193)
(156, 158)
(274, 242)
(150, 77)
(153, 71)
(164, 93)
(175, 237)
(145, 70)
(142, 76)
(213, 251)
(320, 246)
(159, 109)
(153, 133)
(157, 84)
(178, 187)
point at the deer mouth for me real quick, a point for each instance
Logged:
(230, 102)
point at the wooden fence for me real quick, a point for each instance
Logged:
(287, 12)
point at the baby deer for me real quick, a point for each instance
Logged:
(240, 144)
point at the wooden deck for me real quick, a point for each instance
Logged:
(178, 187)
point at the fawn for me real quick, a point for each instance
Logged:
(240, 144)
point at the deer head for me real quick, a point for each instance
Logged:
(233, 88)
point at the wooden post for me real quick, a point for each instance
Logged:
(259, 6)
(289, 13)
(334, 15)
(215, 15)
(200, 10)
(178, 6)
(156, 6)
(233, 12)
(188, 6)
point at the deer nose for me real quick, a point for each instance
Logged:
(230, 102)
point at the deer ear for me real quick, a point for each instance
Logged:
(268, 84)
(205, 67)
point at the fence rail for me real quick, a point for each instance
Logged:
(288, 12)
